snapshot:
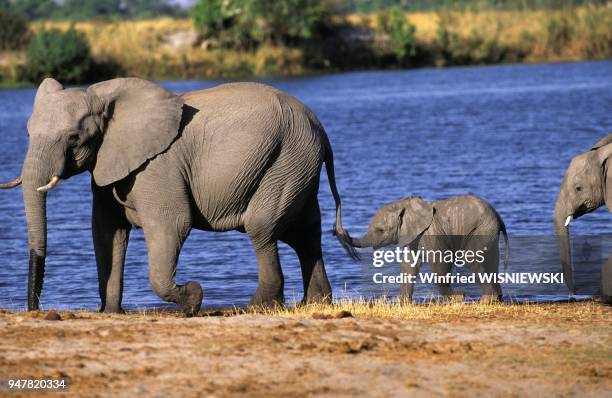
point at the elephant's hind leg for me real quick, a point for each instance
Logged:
(271, 282)
(491, 292)
(110, 234)
(441, 268)
(305, 239)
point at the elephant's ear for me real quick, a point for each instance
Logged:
(49, 85)
(604, 154)
(603, 142)
(416, 217)
(140, 121)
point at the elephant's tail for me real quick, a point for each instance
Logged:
(343, 236)
(502, 229)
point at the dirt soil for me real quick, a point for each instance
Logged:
(265, 356)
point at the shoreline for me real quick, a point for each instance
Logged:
(319, 73)
(431, 350)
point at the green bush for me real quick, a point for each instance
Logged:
(14, 32)
(401, 32)
(250, 23)
(211, 17)
(287, 22)
(64, 55)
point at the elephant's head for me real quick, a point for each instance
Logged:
(111, 129)
(587, 185)
(403, 220)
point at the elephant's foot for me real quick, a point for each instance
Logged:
(112, 309)
(405, 299)
(190, 298)
(455, 298)
(491, 299)
(317, 299)
(605, 299)
(318, 296)
(267, 298)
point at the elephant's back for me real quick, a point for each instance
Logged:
(247, 137)
(468, 214)
(234, 97)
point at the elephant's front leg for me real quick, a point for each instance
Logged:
(110, 234)
(165, 234)
(408, 269)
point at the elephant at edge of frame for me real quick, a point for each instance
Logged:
(239, 156)
(586, 186)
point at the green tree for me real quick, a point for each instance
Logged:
(34, 9)
(90, 9)
(263, 21)
(65, 55)
(14, 32)
(401, 33)
(151, 9)
(212, 17)
(287, 21)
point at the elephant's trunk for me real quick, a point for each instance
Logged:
(361, 242)
(35, 175)
(561, 225)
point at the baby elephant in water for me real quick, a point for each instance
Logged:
(462, 230)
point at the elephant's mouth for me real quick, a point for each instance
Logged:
(581, 210)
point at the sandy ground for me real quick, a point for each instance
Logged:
(255, 355)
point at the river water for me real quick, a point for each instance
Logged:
(506, 133)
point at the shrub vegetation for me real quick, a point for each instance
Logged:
(14, 31)
(65, 55)
(235, 38)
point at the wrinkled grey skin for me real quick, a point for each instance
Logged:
(587, 185)
(238, 156)
(459, 223)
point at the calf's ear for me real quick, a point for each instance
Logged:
(416, 217)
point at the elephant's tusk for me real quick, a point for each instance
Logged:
(52, 184)
(16, 182)
(568, 220)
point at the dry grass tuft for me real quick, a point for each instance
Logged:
(437, 311)
(379, 308)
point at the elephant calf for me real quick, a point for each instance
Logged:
(459, 223)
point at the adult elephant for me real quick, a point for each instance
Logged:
(587, 185)
(239, 156)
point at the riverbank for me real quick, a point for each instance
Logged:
(368, 350)
(169, 48)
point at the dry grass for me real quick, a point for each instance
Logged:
(383, 308)
(141, 49)
(436, 311)
(140, 46)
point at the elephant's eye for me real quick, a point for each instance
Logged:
(578, 188)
